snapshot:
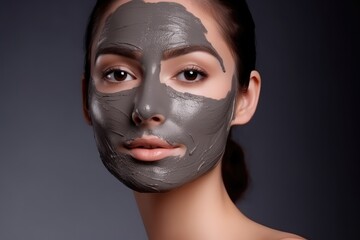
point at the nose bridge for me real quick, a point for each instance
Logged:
(151, 98)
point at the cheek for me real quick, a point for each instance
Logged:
(212, 118)
(219, 87)
(96, 112)
(112, 112)
(202, 116)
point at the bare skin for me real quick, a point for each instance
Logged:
(202, 208)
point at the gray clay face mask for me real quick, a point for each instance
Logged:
(199, 123)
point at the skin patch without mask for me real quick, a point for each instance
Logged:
(199, 123)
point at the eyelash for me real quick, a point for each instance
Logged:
(113, 70)
(194, 69)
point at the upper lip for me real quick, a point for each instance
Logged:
(149, 142)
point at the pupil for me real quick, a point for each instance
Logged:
(190, 75)
(119, 75)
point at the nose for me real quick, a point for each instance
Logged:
(147, 120)
(151, 101)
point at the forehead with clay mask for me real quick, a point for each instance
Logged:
(162, 94)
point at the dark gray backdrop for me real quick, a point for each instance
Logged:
(302, 145)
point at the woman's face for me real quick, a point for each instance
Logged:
(162, 93)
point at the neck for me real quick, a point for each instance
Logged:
(201, 209)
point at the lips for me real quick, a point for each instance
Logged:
(151, 148)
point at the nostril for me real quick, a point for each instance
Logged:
(156, 119)
(137, 120)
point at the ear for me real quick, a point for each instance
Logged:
(247, 101)
(85, 107)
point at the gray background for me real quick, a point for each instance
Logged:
(301, 147)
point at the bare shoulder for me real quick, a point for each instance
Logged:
(264, 232)
(286, 236)
(280, 235)
(293, 237)
(260, 231)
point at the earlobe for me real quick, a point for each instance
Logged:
(247, 100)
(85, 107)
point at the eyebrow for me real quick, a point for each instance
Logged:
(125, 50)
(176, 52)
(133, 52)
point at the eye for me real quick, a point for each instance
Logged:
(117, 75)
(192, 74)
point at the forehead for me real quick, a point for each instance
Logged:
(162, 25)
(193, 14)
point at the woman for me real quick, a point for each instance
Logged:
(164, 82)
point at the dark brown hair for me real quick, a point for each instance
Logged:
(238, 29)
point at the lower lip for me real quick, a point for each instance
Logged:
(155, 154)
